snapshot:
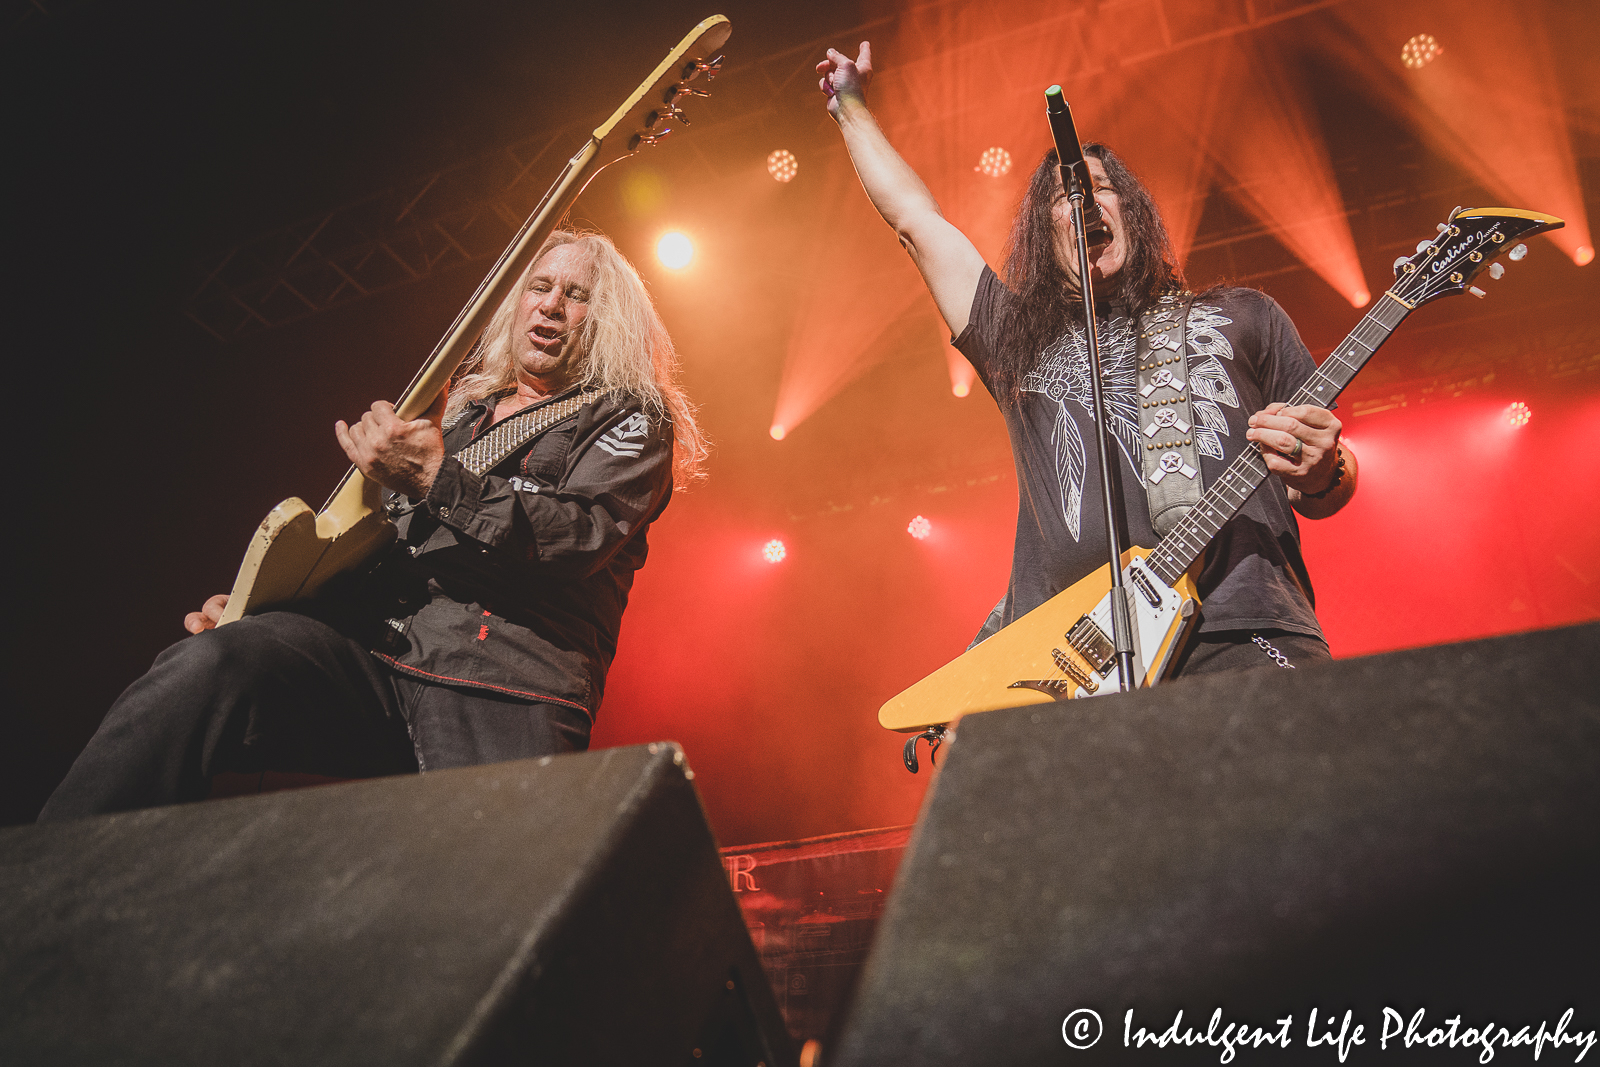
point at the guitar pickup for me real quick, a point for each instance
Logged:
(1142, 583)
(1092, 643)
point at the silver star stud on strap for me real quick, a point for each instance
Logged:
(1166, 417)
(1162, 378)
(1171, 463)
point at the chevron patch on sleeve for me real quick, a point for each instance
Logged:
(627, 437)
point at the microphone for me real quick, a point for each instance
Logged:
(1074, 169)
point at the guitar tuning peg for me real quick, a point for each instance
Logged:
(696, 67)
(683, 90)
(1443, 226)
(1496, 270)
(671, 111)
(1475, 291)
(1402, 262)
(639, 140)
(1517, 252)
(1423, 246)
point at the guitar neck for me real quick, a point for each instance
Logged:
(1184, 544)
(648, 114)
(352, 490)
(491, 293)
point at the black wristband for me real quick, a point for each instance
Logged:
(1338, 476)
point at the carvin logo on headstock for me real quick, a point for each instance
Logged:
(1449, 255)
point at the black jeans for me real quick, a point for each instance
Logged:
(284, 691)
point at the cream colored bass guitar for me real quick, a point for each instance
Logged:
(1063, 649)
(295, 550)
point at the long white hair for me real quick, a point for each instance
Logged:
(622, 345)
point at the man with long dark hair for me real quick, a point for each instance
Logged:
(1025, 335)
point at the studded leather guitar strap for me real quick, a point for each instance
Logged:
(500, 441)
(1166, 419)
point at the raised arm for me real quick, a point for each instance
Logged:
(949, 263)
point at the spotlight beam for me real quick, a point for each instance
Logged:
(1490, 100)
(1283, 172)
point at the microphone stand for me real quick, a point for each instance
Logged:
(1071, 158)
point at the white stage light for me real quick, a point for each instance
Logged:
(782, 165)
(674, 250)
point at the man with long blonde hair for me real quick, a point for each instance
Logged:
(487, 632)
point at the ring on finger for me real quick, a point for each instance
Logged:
(1295, 452)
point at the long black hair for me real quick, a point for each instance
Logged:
(1047, 299)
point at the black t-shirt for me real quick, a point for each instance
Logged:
(1243, 354)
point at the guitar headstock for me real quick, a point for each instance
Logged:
(656, 108)
(1469, 242)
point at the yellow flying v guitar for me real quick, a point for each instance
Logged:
(295, 550)
(1063, 648)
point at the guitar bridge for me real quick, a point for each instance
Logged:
(1072, 669)
(1061, 688)
(1091, 642)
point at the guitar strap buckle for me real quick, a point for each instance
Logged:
(1171, 460)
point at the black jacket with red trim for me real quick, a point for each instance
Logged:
(527, 569)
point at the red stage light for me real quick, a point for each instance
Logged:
(1360, 298)
(962, 388)
(773, 551)
(782, 165)
(777, 432)
(1518, 414)
(1583, 255)
(919, 528)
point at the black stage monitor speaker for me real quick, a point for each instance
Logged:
(569, 910)
(1416, 831)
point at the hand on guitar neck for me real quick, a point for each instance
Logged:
(398, 454)
(1312, 466)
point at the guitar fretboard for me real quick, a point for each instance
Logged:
(1179, 549)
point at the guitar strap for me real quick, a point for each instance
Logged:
(482, 455)
(1166, 418)
(400, 588)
